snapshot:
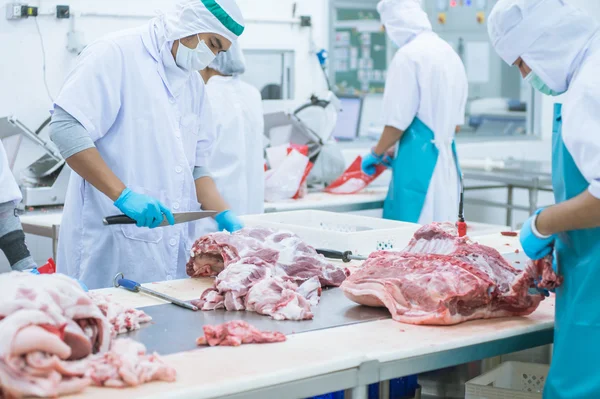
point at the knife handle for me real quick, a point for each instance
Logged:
(118, 219)
(129, 284)
(332, 254)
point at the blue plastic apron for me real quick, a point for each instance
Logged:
(574, 372)
(412, 170)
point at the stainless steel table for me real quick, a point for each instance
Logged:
(528, 175)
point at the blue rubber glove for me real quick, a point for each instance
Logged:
(145, 210)
(372, 160)
(227, 220)
(534, 246)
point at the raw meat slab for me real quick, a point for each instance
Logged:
(174, 329)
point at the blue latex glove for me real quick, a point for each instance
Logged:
(227, 220)
(534, 246)
(145, 210)
(372, 160)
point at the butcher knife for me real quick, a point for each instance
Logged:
(346, 256)
(182, 217)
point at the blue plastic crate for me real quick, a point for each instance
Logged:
(374, 391)
(400, 388)
(333, 395)
(404, 387)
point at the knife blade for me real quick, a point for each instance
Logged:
(181, 217)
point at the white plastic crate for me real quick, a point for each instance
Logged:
(510, 380)
(339, 231)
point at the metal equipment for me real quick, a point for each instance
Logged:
(311, 124)
(121, 281)
(44, 182)
(345, 256)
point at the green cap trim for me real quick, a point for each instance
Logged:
(216, 10)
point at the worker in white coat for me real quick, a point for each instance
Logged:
(557, 50)
(423, 106)
(134, 123)
(237, 162)
(12, 237)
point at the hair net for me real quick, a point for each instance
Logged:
(204, 16)
(551, 36)
(230, 62)
(403, 19)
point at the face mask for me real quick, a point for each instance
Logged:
(540, 86)
(194, 59)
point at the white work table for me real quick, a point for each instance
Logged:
(334, 359)
(371, 198)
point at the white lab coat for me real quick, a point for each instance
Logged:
(237, 162)
(9, 190)
(427, 80)
(151, 123)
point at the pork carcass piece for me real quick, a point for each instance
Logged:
(47, 323)
(215, 252)
(50, 332)
(122, 318)
(442, 279)
(235, 333)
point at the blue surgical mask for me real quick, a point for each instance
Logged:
(194, 59)
(540, 86)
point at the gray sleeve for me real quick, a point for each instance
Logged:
(68, 134)
(201, 171)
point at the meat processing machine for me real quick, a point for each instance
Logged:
(311, 124)
(44, 182)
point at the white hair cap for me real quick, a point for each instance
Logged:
(191, 17)
(403, 19)
(551, 36)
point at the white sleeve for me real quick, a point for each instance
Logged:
(581, 135)
(207, 135)
(92, 90)
(401, 98)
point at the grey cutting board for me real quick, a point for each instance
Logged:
(174, 329)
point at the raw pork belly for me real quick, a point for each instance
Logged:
(122, 319)
(235, 333)
(50, 331)
(270, 272)
(443, 279)
(214, 252)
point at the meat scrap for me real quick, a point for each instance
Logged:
(509, 233)
(122, 318)
(50, 331)
(235, 333)
(443, 279)
(270, 272)
(127, 365)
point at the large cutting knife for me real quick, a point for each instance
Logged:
(181, 217)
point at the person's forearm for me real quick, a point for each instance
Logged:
(90, 166)
(208, 195)
(581, 212)
(390, 136)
